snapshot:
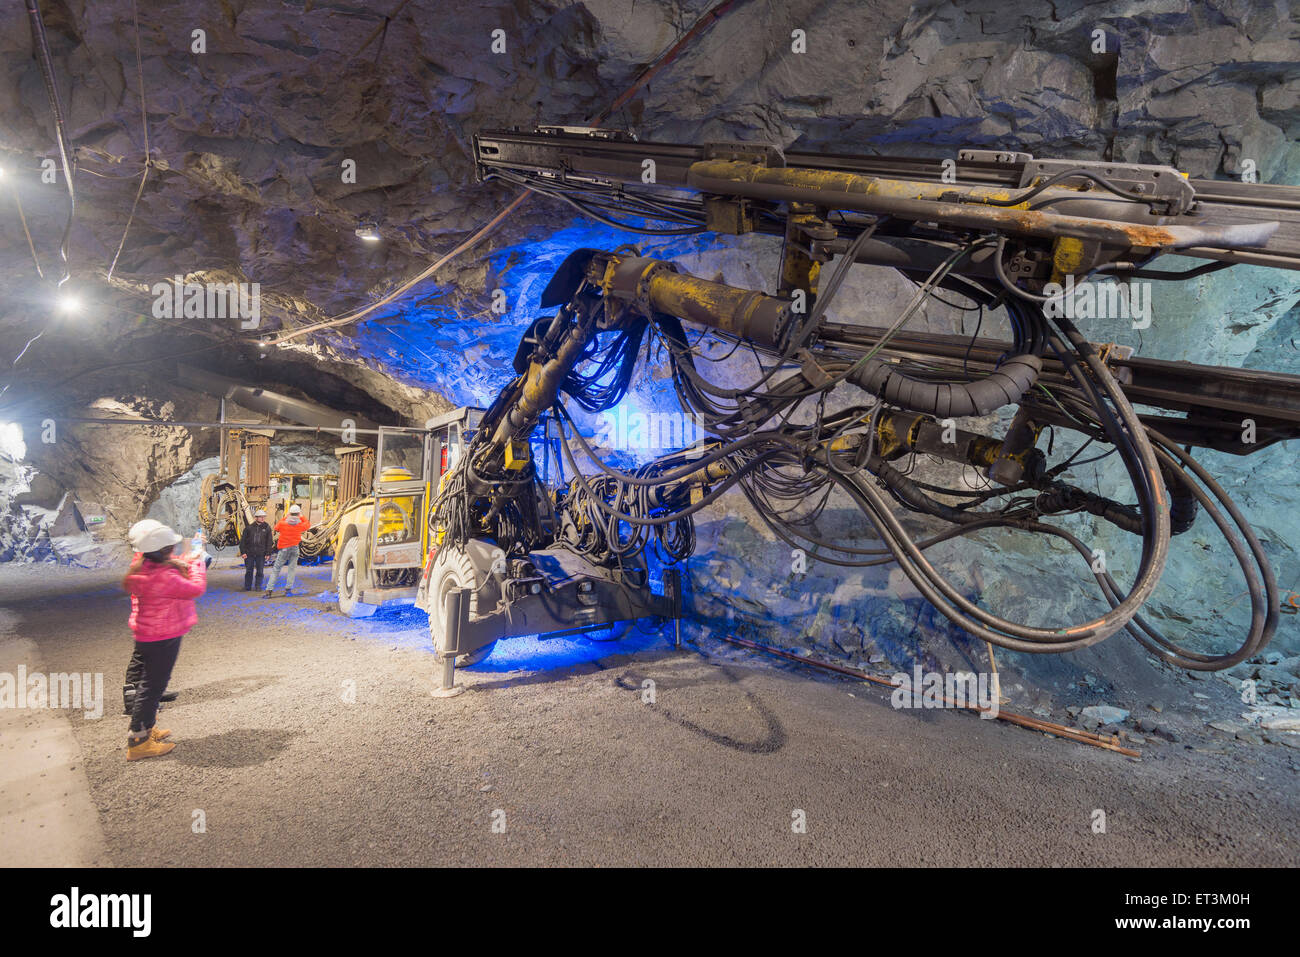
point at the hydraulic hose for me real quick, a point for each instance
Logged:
(1006, 385)
(1065, 498)
(1182, 500)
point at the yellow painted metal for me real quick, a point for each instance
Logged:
(987, 206)
(798, 269)
(607, 280)
(516, 455)
(896, 433)
(424, 523)
(984, 451)
(838, 181)
(1067, 258)
(728, 308)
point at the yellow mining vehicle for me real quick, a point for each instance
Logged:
(229, 497)
(316, 493)
(244, 483)
(381, 540)
(389, 550)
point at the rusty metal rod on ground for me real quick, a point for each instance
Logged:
(1047, 727)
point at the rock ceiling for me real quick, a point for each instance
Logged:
(248, 140)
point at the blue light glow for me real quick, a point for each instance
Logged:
(405, 626)
(433, 343)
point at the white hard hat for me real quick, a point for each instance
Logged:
(260, 512)
(295, 510)
(156, 538)
(140, 528)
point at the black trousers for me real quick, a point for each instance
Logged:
(158, 658)
(254, 567)
(134, 669)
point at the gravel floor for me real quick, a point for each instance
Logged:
(555, 741)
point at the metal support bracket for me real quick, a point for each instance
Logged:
(448, 687)
(802, 254)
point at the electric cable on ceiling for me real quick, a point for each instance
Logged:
(642, 79)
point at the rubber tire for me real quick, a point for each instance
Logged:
(349, 579)
(452, 569)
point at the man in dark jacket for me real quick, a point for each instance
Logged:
(254, 545)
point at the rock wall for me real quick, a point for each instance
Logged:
(126, 472)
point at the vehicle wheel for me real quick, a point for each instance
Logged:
(349, 578)
(452, 569)
(609, 633)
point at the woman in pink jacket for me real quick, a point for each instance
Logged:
(163, 589)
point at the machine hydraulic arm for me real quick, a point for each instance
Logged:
(867, 415)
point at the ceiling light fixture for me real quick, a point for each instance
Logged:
(369, 233)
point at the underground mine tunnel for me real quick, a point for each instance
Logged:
(650, 433)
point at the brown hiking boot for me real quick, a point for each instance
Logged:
(157, 735)
(147, 747)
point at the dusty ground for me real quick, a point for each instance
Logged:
(555, 740)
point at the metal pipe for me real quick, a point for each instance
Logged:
(229, 426)
(904, 199)
(740, 312)
(1035, 724)
(453, 615)
(654, 284)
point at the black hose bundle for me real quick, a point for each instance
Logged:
(775, 440)
(1067, 498)
(615, 358)
(1182, 499)
(1004, 386)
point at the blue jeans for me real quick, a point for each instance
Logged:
(285, 556)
